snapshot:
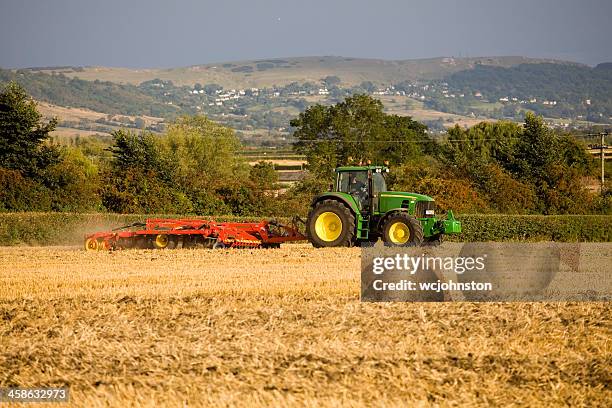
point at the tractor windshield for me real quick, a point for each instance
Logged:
(352, 181)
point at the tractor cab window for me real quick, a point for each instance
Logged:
(379, 184)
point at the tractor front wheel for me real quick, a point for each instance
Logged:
(402, 229)
(330, 224)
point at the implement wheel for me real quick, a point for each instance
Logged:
(402, 229)
(91, 244)
(161, 241)
(219, 245)
(330, 224)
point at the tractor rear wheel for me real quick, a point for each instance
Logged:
(402, 229)
(330, 224)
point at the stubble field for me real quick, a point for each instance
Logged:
(279, 327)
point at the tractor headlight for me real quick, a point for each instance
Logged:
(429, 212)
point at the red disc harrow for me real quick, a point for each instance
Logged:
(158, 233)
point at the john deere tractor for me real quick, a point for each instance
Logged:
(360, 209)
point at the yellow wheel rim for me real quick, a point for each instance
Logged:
(328, 226)
(161, 241)
(91, 244)
(399, 233)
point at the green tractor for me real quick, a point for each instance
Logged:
(360, 209)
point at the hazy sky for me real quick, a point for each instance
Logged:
(155, 33)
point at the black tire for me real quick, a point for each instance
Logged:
(414, 226)
(346, 237)
(172, 243)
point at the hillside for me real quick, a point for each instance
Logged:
(107, 97)
(552, 90)
(282, 71)
(86, 122)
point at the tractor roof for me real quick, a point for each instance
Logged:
(360, 168)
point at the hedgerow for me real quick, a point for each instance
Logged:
(29, 228)
(563, 228)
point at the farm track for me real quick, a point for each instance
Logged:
(280, 327)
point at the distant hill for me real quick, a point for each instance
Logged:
(107, 97)
(282, 71)
(554, 90)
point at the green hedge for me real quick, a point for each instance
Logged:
(70, 228)
(563, 228)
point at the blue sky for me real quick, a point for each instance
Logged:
(155, 33)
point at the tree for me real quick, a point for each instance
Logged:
(75, 182)
(23, 134)
(263, 175)
(140, 178)
(35, 175)
(211, 89)
(521, 169)
(140, 123)
(141, 151)
(354, 131)
(331, 81)
(368, 86)
(203, 150)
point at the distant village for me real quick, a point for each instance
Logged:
(419, 92)
(252, 108)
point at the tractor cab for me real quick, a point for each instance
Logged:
(363, 183)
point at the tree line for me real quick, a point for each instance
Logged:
(194, 167)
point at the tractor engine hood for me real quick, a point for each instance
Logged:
(417, 203)
(405, 196)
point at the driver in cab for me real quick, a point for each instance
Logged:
(358, 189)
